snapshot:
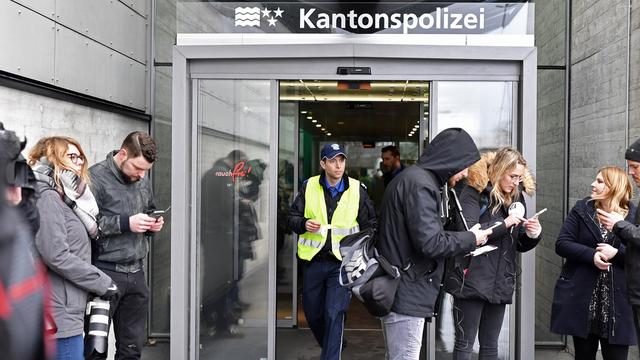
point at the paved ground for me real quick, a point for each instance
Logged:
(358, 348)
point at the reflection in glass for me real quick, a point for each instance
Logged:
(485, 110)
(233, 203)
(286, 241)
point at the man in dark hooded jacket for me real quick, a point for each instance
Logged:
(412, 236)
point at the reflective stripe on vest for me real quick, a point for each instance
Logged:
(343, 222)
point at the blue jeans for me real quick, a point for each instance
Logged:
(325, 303)
(70, 348)
(402, 336)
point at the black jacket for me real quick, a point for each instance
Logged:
(411, 229)
(118, 199)
(491, 276)
(577, 243)
(629, 232)
(366, 213)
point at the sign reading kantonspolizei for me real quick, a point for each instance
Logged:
(355, 18)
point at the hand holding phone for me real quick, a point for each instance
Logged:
(156, 214)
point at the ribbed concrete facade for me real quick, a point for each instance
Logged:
(604, 115)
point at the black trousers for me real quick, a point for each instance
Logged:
(477, 317)
(129, 314)
(586, 349)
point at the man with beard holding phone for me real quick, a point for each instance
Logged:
(124, 198)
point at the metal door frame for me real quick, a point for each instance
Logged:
(277, 57)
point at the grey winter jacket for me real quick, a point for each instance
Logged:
(118, 198)
(65, 248)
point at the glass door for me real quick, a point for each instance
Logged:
(233, 218)
(487, 111)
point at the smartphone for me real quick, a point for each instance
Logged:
(158, 213)
(494, 225)
(538, 213)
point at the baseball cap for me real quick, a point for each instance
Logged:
(329, 151)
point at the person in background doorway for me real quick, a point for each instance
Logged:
(327, 208)
(124, 197)
(391, 164)
(412, 237)
(629, 231)
(67, 219)
(590, 300)
(481, 286)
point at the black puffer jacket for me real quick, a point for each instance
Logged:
(491, 276)
(411, 230)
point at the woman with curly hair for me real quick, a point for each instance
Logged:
(482, 285)
(590, 300)
(67, 220)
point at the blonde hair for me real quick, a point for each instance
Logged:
(491, 167)
(618, 193)
(54, 149)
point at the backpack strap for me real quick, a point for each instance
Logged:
(387, 267)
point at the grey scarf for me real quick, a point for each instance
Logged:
(75, 193)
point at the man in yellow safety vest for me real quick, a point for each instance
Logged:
(327, 208)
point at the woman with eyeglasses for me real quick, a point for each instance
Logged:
(67, 221)
(590, 300)
(482, 285)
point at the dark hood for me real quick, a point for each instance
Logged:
(448, 153)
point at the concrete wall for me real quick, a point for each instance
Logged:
(550, 33)
(599, 98)
(36, 116)
(160, 252)
(98, 48)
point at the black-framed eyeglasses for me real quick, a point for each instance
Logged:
(75, 158)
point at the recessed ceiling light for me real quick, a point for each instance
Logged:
(322, 129)
(309, 117)
(303, 111)
(318, 125)
(328, 134)
(314, 121)
(340, 122)
(411, 134)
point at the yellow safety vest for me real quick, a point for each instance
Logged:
(343, 222)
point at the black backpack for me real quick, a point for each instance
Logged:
(371, 278)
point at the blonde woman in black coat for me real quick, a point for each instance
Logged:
(483, 285)
(590, 300)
